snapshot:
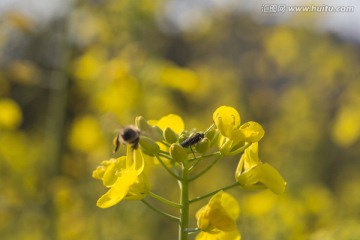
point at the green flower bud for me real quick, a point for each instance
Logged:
(183, 136)
(152, 131)
(213, 136)
(141, 123)
(225, 148)
(203, 145)
(149, 146)
(170, 136)
(177, 152)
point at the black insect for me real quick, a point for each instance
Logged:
(128, 135)
(195, 138)
(192, 140)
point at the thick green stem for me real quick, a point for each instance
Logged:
(184, 201)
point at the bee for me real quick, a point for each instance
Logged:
(128, 135)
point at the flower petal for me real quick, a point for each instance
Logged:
(224, 210)
(113, 170)
(139, 189)
(119, 189)
(221, 213)
(226, 119)
(219, 235)
(172, 121)
(252, 131)
(203, 220)
(251, 156)
(262, 176)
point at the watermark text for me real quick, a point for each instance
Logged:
(282, 8)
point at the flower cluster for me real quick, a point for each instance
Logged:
(179, 151)
(124, 176)
(217, 219)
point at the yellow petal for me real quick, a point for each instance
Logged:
(119, 190)
(110, 176)
(139, 189)
(99, 172)
(231, 205)
(224, 210)
(172, 121)
(219, 235)
(203, 220)
(113, 170)
(251, 156)
(272, 178)
(139, 162)
(262, 176)
(252, 131)
(226, 119)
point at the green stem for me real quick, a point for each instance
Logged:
(213, 192)
(167, 169)
(159, 211)
(192, 230)
(165, 156)
(205, 156)
(165, 143)
(240, 150)
(164, 200)
(184, 200)
(206, 169)
(195, 164)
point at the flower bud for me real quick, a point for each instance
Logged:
(213, 136)
(98, 173)
(149, 146)
(225, 147)
(177, 152)
(152, 131)
(203, 145)
(183, 136)
(170, 136)
(141, 123)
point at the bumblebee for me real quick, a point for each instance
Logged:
(128, 135)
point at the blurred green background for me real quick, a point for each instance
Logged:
(69, 82)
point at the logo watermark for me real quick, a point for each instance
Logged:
(283, 8)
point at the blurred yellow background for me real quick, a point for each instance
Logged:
(67, 84)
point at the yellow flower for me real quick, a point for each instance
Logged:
(172, 121)
(217, 219)
(227, 120)
(219, 235)
(251, 173)
(10, 114)
(233, 134)
(124, 176)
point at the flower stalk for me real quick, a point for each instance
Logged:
(166, 143)
(184, 201)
